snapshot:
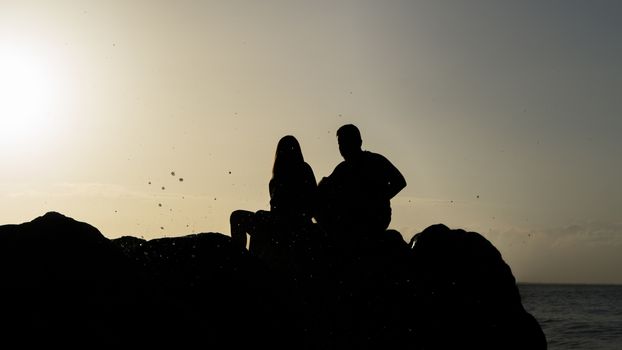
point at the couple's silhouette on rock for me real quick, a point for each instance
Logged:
(352, 202)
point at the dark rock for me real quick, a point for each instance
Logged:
(64, 283)
(466, 295)
(212, 291)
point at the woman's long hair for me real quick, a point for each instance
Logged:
(288, 156)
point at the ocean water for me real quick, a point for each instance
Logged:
(576, 316)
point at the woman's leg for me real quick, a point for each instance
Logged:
(242, 222)
(261, 232)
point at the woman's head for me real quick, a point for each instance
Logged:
(288, 155)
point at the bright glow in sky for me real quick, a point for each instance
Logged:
(26, 98)
(504, 118)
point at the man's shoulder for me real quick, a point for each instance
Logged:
(379, 164)
(371, 154)
(375, 157)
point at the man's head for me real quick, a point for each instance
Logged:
(350, 142)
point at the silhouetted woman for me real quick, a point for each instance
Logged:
(292, 200)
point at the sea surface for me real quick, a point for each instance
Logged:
(576, 316)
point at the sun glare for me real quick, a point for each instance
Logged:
(27, 98)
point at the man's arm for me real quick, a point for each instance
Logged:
(396, 184)
(395, 181)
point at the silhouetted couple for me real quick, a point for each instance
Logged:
(353, 200)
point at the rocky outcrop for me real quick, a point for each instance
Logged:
(63, 283)
(466, 295)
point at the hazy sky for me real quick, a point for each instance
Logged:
(517, 102)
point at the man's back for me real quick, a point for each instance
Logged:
(359, 192)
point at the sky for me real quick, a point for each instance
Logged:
(159, 118)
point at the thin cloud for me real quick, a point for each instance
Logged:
(79, 190)
(406, 200)
(99, 190)
(590, 233)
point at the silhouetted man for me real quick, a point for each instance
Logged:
(356, 197)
